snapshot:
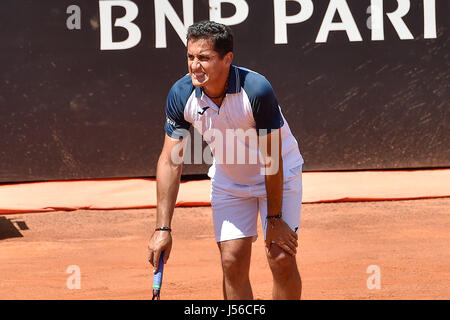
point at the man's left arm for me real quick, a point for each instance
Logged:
(271, 151)
(277, 231)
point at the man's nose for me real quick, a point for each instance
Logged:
(196, 64)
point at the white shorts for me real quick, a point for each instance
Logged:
(235, 207)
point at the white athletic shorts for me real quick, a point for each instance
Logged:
(235, 207)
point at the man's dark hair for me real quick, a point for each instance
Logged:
(221, 35)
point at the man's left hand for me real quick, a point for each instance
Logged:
(281, 234)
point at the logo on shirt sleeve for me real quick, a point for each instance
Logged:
(170, 121)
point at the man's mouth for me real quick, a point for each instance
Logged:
(200, 77)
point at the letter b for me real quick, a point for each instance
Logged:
(134, 33)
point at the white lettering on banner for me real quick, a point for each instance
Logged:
(134, 33)
(74, 20)
(377, 23)
(282, 20)
(429, 19)
(164, 9)
(215, 12)
(348, 24)
(397, 21)
(376, 20)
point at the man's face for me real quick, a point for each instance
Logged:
(204, 63)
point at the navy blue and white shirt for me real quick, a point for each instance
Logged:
(250, 108)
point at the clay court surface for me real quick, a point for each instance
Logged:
(408, 240)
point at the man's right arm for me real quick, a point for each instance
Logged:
(168, 173)
(168, 169)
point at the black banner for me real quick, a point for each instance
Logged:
(363, 84)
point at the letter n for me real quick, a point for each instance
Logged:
(163, 10)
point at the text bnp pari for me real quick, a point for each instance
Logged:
(338, 17)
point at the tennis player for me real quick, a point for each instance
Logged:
(257, 164)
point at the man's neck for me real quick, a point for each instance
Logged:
(218, 91)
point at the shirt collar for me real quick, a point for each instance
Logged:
(234, 83)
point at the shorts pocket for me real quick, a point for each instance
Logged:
(293, 172)
(296, 170)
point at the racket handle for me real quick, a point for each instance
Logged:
(157, 277)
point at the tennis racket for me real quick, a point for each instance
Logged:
(157, 278)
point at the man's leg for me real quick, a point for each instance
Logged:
(235, 256)
(287, 284)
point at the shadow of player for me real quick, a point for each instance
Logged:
(8, 229)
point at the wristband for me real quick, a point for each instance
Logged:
(163, 229)
(278, 216)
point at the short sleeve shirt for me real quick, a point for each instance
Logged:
(249, 109)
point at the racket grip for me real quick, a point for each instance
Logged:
(157, 277)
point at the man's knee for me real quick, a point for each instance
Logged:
(233, 267)
(282, 264)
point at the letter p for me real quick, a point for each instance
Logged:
(282, 20)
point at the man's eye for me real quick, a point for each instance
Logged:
(200, 58)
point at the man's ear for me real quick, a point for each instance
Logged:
(229, 58)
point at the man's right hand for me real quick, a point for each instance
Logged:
(159, 242)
